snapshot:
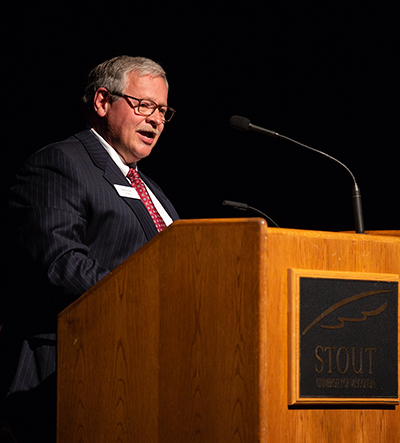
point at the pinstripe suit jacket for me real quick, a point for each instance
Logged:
(75, 228)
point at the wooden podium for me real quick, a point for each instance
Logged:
(191, 340)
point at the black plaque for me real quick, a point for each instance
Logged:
(348, 332)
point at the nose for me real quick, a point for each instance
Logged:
(156, 117)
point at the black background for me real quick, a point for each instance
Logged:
(323, 73)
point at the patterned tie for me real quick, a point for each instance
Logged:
(138, 184)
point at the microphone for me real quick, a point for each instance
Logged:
(243, 124)
(244, 207)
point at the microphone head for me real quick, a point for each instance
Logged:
(241, 123)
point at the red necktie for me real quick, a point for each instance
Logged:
(140, 187)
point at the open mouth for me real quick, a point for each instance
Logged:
(149, 135)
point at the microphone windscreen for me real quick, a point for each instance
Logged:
(241, 123)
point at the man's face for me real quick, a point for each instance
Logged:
(132, 135)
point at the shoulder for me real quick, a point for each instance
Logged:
(74, 143)
(74, 149)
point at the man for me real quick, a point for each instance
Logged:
(81, 209)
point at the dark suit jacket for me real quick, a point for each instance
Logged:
(75, 228)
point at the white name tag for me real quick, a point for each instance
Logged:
(126, 191)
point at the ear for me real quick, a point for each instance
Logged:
(101, 101)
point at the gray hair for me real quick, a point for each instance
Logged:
(113, 74)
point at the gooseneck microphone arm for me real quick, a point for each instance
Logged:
(243, 124)
(245, 207)
(356, 193)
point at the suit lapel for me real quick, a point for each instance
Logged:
(114, 176)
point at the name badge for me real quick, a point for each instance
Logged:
(127, 191)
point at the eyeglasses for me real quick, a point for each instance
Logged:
(147, 107)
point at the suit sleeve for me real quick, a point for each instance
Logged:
(49, 201)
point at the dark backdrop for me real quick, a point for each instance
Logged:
(323, 73)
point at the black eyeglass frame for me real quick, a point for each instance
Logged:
(159, 107)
